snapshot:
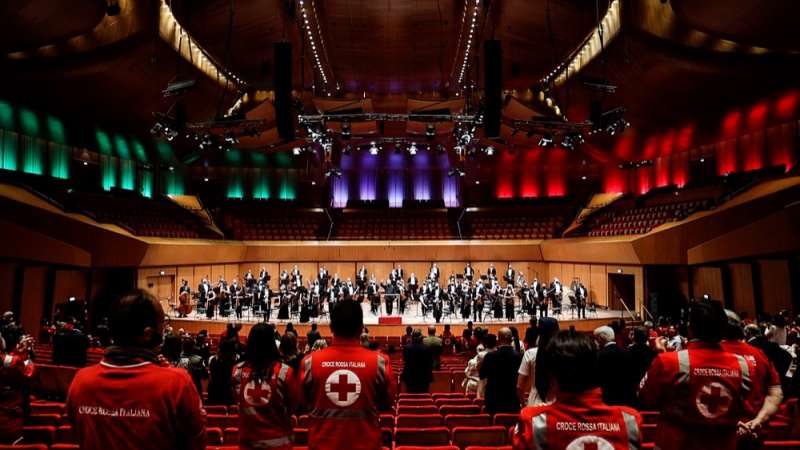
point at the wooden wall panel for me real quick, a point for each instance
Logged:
(69, 283)
(307, 269)
(537, 269)
(555, 271)
(199, 273)
(707, 280)
(448, 268)
(33, 295)
(344, 269)
(776, 293)
(598, 284)
(567, 273)
(216, 271)
(380, 269)
(8, 274)
(231, 272)
(185, 273)
(582, 271)
(742, 288)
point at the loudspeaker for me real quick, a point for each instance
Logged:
(493, 71)
(282, 65)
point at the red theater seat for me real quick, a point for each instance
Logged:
(467, 420)
(24, 447)
(485, 436)
(39, 435)
(506, 420)
(782, 445)
(459, 409)
(419, 421)
(422, 436)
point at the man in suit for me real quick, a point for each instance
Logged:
(491, 272)
(510, 275)
(417, 365)
(469, 272)
(616, 369)
(499, 369)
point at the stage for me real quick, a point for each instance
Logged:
(412, 317)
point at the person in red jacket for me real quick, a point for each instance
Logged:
(345, 386)
(578, 420)
(765, 395)
(266, 392)
(130, 400)
(699, 391)
(16, 371)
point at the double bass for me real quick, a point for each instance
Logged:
(185, 304)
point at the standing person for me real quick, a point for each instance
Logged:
(531, 333)
(777, 331)
(641, 353)
(16, 372)
(765, 394)
(615, 368)
(312, 336)
(434, 343)
(578, 419)
(499, 369)
(526, 379)
(266, 391)
(699, 391)
(220, 367)
(417, 365)
(346, 386)
(129, 400)
(472, 382)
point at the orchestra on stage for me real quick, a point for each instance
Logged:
(463, 296)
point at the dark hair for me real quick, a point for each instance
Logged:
(171, 349)
(548, 327)
(707, 321)
(409, 330)
(261, 352)
(347, 319)
(572, 361)
(187, 345)
(288, 345)
(130, 316)
(490, 341)
(641, 335)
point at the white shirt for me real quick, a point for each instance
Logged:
(777, 334)
(528, 368)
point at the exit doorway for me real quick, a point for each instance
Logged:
(622, 291)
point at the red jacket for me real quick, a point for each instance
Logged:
(14, 374)
(578, 422)
(345, 386)
(265, 408)
(764, 377)
(700, 393)
(137, 405)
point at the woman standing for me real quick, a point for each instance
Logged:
(266, 392)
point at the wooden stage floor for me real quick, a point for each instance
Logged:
(194, 323)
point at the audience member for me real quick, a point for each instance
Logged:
(129, 400)
(641, 353)
(472, 383)
(16, 372)
(192, 363)
(417, 372)
(346, 386)
(434, 343)
(526, 375)
(220, 367)
(266, 392)
(499, 369)
(531, 333)
(578, 419)
(171, 349)
(10, 330)
(312, 336)
(289, 353)
(466, 336)
(448, 343)
(776, 332)
(615, 369)
(515, 340)
(780, 358)
(698, 391)
(407, 338)
(765, 394)
(319, 344)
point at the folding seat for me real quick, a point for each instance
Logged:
(481, 447)
(301, 436)
(217, 409)
(214, 436)
(43, 420)
(386, 420)
(442, 381)
(417, 410)
(64, 435)
(441, 395)
(222, 421)
(415, 447)
(414, 395)
(418, 421)
(427, 401)
(52, 447)
(422, 436)
(486, 436)
(453, 401)
(467, 420)
(505, 419)
(648, 432)
(39, 435)
(782, 445)
(650, 416)
(46, 407)
(459, 409)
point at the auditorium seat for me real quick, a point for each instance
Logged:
(64, 435)
(63, 447)
(418, 421)
(432, 409)
(24, 447)
(46, 407)
(214, 435)
(422, 436)
(43, 419)
(216, 409)
(39, 435)
(459, 409)
(301, 436)
(415, 402)
(486, 436)
(506, 419)
(222, 421)
(649, 432)
(481, 447)
(415, 447)
(467, 420)
(442, 381)
(453, 401)
(782, 445)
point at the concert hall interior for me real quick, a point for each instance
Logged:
(438, 162)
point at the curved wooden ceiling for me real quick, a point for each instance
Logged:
(26, 24)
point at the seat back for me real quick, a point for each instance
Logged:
(421, 436)
(486, 436)
(432, 409)
(419, 421)
(459, 409)
(467, 420)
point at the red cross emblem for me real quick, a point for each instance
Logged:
(713, 400)
(589, 442)
(257, 395)
(343, 387)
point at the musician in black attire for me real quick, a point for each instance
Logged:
(249, 280)
(436, 295)
(374, 297)
(509, 301)
(322, 277)
(263, 276)
(317, 293)
(391, 292)
(361, 278)
(413, 285)
(283, 308)
(491, 272)
(509, 277)
(184, 289)
(467, 297)
(580, 293)
(480, 295)
(223, 304)
(283, 280)
(434, 273)
(543, 299)
(469, 272)
(236, 297)
(202, 292)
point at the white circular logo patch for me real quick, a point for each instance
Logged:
(257, 395)
(343, 387)
(590, 443)
(713, 400)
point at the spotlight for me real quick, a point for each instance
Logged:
(440, 149)
(702, 160)
(205, 179)
(171, 168)
(333, 173)
(412, 149)
(313, 183)
(489, 150)
(430, 131)
(456, 172)
(297, 150)
(570, 141)
(346, 131)
(583, 177)
(112, 8)
(373, 148)
(85, 163)
(207, 141)
(230, 138)
(546, 140)
(477, 181)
